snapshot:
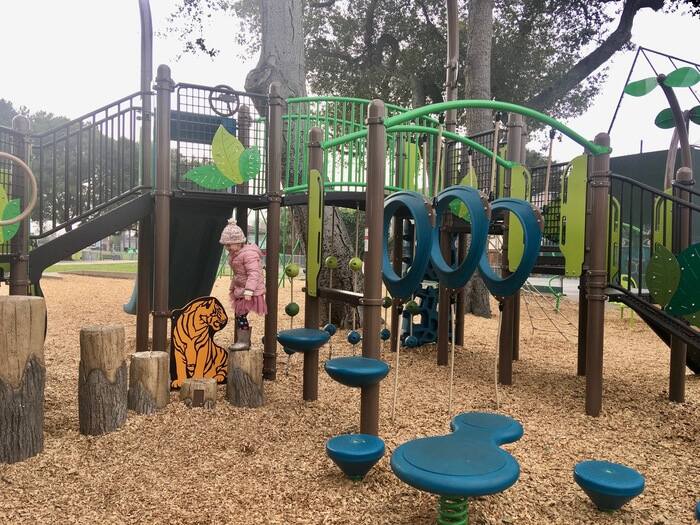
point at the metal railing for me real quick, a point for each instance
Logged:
(11, 186)
(197, 113)
(639, 217)
(87, 164)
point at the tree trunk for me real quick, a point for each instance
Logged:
(149, 382)
(200, 392)
(244, 383)
(478, 86)
(102, 379)
(22, 377)
(282, 60)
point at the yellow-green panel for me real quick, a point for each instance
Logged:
(572, 220)
(411, 165)
(520, 181)
(314, 240)
(614, 245)
(661, 222)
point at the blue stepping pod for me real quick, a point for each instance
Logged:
(609, 485)
(356, 371)
(303, 339)
(355, 454)
(697, 511)
(468, 462)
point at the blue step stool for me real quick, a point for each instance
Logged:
(609, 485)
(356, 371)
(303, 339)
(355, 454)
(469, 462)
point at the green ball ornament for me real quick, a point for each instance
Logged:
(355, 264)
(412, 307)
(291, 309)
(291, 270)
(331, 262)
(386, 302)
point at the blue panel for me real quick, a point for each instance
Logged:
(198, 128)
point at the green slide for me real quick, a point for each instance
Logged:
(195, 252)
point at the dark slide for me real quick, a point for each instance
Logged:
(195, 252)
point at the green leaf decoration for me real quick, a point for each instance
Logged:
(12, 209)
(694, 115)
(457, 207)
(209, 177)
(664, 119)
(226, 151)
(686, 300)
(663, 275)
(249, 163)
(682, 77)
(641, 87)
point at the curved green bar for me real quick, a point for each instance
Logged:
(454, 136)
(595, 149)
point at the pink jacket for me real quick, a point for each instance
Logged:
(247, 271)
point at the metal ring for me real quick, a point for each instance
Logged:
(32, 181)
(225, 91)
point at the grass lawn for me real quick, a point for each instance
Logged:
(129, 267)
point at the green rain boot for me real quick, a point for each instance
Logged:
(242, 343)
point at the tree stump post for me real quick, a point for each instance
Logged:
(199, 392)
(149, 382)
(102, 379)
(244, 382)
(22, 377)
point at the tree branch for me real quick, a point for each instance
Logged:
(317, 5)
(588, 64)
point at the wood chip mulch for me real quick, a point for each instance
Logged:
(268, 465)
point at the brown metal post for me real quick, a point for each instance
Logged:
(19, 265)
(599, 182)
(508, 334)
(312, 313)
(372, 299)
(274, 177)
(682, 219)
(161, 275)
(582, 316)
(451, 72)
(145, 241)
(244, 123)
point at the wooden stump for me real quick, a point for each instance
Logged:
(22, 377)
(149, 382)
(199, 392)
(102, 379)
(244, 383)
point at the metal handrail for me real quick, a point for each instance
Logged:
(656, 191)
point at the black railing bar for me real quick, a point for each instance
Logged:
(92, 211)
(679, 186)
(655, 191)
(184, 85)
(92, 114)
(641, 240)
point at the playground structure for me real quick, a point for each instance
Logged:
(94, 178)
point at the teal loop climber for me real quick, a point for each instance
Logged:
(478, 209)
(532, 237)
(429, 236)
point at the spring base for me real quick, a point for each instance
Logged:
(453, 511)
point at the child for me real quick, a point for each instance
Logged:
(247, 290)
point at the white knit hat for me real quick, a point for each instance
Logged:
(232, 233)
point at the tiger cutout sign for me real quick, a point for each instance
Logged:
(193, 351)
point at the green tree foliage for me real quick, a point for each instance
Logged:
(395, 49)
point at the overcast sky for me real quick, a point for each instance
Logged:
(78, 55)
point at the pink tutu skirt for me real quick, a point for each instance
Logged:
(257, 304)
